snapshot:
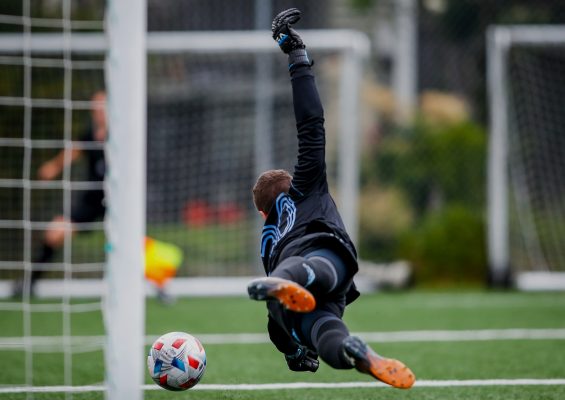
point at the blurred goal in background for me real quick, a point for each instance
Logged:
(527, 156)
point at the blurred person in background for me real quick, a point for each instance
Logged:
(163, 259)
(87, 205)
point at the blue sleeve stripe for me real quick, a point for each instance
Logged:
(282, 39)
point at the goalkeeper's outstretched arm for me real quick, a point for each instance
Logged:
(310, 170)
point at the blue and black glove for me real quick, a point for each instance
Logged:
(302, 360)
(288, 39)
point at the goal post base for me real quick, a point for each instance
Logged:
(541, 281)
(500, 278)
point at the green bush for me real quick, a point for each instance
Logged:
(449, 247)
(435, 166)
(427, 184)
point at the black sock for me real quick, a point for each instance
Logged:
(328, 340)
(318, 275)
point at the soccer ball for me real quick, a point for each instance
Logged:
(176, 361)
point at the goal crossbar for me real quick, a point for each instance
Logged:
(174, 42)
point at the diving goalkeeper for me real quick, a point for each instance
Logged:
(307, 254)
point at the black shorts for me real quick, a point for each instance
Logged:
(88, 206)
(331, 305)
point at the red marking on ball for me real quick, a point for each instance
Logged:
(193, 362)
(178, 343)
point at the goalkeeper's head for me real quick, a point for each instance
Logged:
(268, 187)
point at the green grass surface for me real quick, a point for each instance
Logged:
(261, 363)
(469, 393)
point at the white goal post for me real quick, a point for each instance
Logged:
(124, 303)
(511, 209)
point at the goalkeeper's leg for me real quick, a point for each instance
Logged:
(330, 338)
(320, 271)
(325, 332)
(298, 281)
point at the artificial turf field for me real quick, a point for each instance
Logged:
(450, 363)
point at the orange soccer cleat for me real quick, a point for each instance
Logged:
(387, 370)
(290, 294)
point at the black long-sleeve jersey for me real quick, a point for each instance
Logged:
(307, 218)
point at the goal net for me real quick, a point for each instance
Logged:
(45, 105)
(219, 112)
(527, 168)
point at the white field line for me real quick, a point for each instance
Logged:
(300, 385)
(402, 336)
(56, 343)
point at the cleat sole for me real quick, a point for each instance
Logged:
(392, 372)
(291, 295)
(387, 370)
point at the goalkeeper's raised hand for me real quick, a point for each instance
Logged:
(288, 39)
(303, 360)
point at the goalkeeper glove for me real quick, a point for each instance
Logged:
(302, 360)
(288, 39)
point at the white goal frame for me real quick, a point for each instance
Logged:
(127, 46)
(499, 41)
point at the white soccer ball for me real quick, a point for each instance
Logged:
(176, 361)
